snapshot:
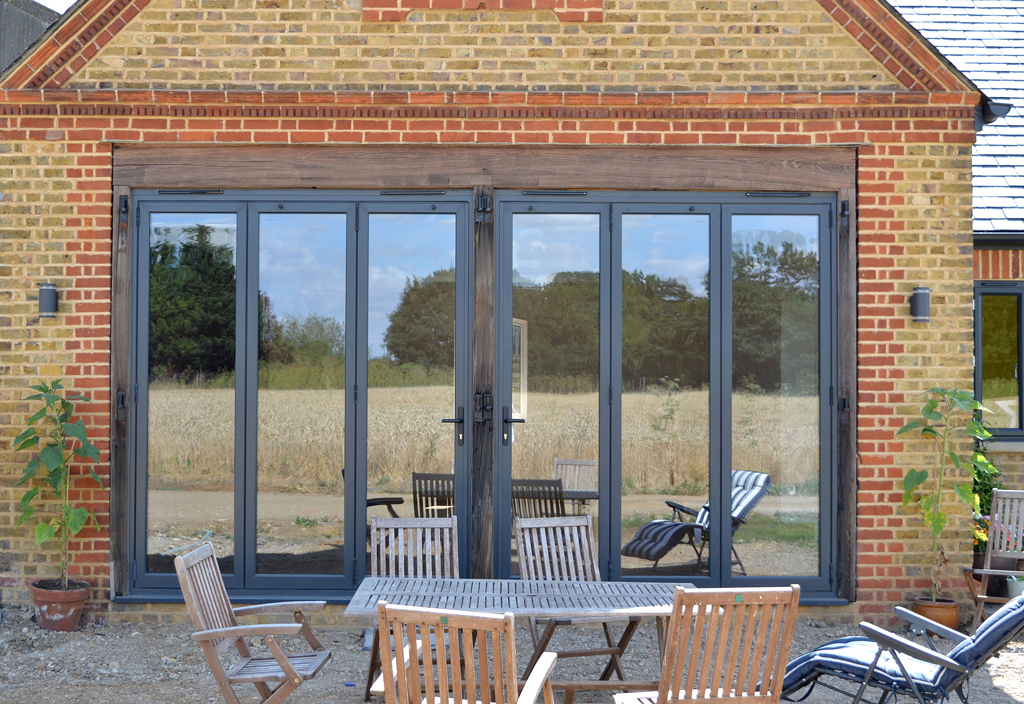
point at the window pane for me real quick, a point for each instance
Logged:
(1000, 340)
(300, 495)
(191, 469)
(556, 289)
(411, 367)
(665, 378)
(775, 396)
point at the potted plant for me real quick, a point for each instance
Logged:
(940, 416)
(59, 602)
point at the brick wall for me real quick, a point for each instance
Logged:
(645, 45)
(998, 264)
(914, 219)
(54, 227)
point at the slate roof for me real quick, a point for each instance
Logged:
(985, 40)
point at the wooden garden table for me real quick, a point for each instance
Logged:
(558, 602)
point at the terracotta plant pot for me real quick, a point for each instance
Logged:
(58, 610)
(943, 611)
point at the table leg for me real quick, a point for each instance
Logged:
(662, 623)
(374, 663)
(615, 662)
(538, 650)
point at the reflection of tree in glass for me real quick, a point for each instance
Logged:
(191, 303)
(999, 351)
(775, 314)
(422, 329)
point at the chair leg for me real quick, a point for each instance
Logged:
(534, 635)
(374, 664)
(867, 678)
(743, 570)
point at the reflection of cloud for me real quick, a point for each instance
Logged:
(774, 230)
(673, 246)
(385, 286)
(302, 263)
(545, 244)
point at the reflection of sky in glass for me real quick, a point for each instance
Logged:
(671, 246)
(545, 244)
(302, 263)
(167, 227)
(773, 230)
(403, 246)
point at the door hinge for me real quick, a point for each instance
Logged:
(122, 209)
(831, 395)
(135, 570)
(138, 216)
(357, 218)
(483, 407)
(484, 209)
(120, 409)
(136, 392)
(611, 390)
(355, 394)
(830, 574)
(830, 218)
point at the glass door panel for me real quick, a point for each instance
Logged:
(301, 398)
(555, 334)
(1000, 354)
(666, 382)
(415, 346)
(187, 355)
(776, 396)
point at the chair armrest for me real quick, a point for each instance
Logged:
(926, 623)
(902, 645)
(258, 629)
(539, 678)
(280, 607)
(385, 501)
(995, 573)
(679, 508)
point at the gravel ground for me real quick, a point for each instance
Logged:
(148, 664)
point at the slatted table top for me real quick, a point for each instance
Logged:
(520, 597)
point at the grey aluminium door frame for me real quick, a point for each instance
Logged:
(140, 578)
(459, 207)
(828, 375)
(507, 205)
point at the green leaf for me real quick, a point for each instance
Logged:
(87, 451)
(51, 399)
(908, 427)
(965, 492)
(929, 412)
(27, 497)
(39, 387)
(954, 458)
(79, 397)
(98, 479)
(76, 430)
(36, 417)
(58, 384)
(936, 521)
(29, 438)
(929, 431)
(911, 481)
(52, 456)
(977, 430)
(74, 519)
(44, 532)
(27, 514)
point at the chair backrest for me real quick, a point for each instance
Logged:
(414, 547)
(560, 549)
(486, 642)
(997, 630)
(728, 644)
(576, 475)
(205, 595)
(748, 488)
(537, 498)
(433, 495)
(1005, 526)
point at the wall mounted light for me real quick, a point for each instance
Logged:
(47, 300)
(920, 304)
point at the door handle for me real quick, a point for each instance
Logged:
(506, 419)
(461, 433)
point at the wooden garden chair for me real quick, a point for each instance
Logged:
(564, 549)
(1005, 539)
(481, 669)
(577, 475)
(217, 630)
(433, 495)
(410, 547)
(727, 645)
(537, 498)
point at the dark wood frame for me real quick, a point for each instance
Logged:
(485, 168)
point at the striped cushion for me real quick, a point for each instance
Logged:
(655, 539)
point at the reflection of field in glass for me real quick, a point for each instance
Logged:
(191, 441)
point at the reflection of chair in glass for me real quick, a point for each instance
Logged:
(388, 502)
(433, 495)
(537, 498)
(477, 665)
(725, 645)
(564, 549)
(656, 538)
(410, 547)
(577, 475)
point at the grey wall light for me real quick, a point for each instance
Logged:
(47, 300)
(920, 304)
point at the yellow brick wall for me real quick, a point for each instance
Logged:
(642, 45)
(54, 227)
